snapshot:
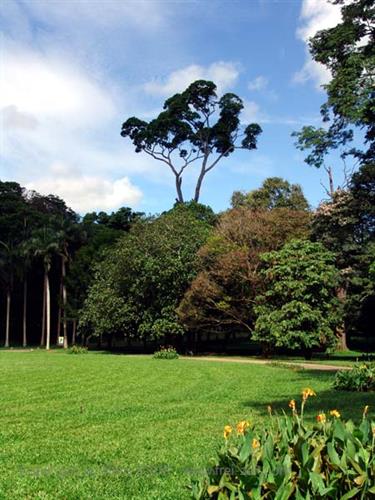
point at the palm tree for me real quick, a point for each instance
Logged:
(45, 244)
(25, 254)
(69, 234)
(7, 269)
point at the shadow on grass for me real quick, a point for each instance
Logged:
(349, 404)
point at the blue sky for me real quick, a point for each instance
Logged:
(73, 70)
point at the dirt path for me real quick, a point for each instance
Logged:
(306, 366)
(223, 359)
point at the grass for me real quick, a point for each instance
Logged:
(111, 426)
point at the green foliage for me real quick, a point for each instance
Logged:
(77, 349)
(222, 295)
(290, 459)
(140, 282)
(121, 220)
(183, 133)
(275, 192)
(201, 212)
(361, 378)
(166, 353)
(346, 226)
(299, 308)
(320, 142)
(347, 50)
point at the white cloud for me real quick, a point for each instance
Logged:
(12, 118)
(85, 193)
(55, 115)
(48, 88)
(259, 83)
(223, 74)
(250, 112)
(315, 15)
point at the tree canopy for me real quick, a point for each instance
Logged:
(140, 282)
(348, 52)
(275, 192)
(223, 293)
(299, 309)
(195, 126)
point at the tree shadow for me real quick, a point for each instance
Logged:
(349, 404)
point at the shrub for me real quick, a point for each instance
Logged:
(361, 378)
(166, 353)
(77, 349)
(288, 459)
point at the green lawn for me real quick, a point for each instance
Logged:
(111, 426)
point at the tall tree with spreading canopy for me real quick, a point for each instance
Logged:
(184, 132)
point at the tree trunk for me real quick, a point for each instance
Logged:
(180, 196)
(48, 312)
(59, 316)
(7, 320)
(64, 296)
(24, 325)
(198, 186)
(42, 338)
(74, 331)
(331, 185)
(341, 333)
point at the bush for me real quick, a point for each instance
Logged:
(361, 378)
(77, 349)
(332, 459)
(166, 353)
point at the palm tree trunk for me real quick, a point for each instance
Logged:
(48, 312)
(42, 339)
(59, 316)
(74, 331)
(64, 295)
(7, 320)
(24, 337)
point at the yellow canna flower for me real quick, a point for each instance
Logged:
(335, 413)
(292, 405)
(227, 431)
(242, 426)
(321, 418)
(255, 444)
(307, 393)
(365, 410)
(269, 409)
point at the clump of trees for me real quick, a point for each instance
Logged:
(140, 282)
(222, 295)
(46, 255)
